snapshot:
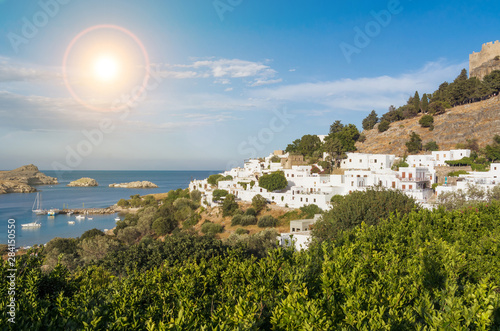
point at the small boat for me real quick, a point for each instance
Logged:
(71, 222)
(90, 218)
(69, 213)
(117, 219)
(37, 205)
(53, 212)
(80, 217)
(31, 225)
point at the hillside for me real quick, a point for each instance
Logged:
(480, 120)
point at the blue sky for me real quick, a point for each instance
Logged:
(234, 78)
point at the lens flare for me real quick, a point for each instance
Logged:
(106, 66)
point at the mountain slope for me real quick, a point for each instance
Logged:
(480, 120)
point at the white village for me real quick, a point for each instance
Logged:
(422, 180)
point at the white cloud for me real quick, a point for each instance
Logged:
(364, 94)
(11, 71)
(254, 73)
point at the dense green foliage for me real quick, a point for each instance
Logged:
(273, 181)
(431, 146)
(211, 228)
(492, 152)
(383, 126)
(370, 121)
(414, 145)
(229, 206)
(218, 194)
(243, 220)
(426, 121)
(267, 221)
(421, 271)
(368, 206)
(258, 203)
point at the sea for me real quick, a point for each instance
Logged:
(16, 208)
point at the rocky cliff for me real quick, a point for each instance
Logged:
(20, 180)
(480, 120)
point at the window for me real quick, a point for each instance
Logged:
(410, 175)
(352, 183)
(300, 199)
(293, 229)
(350, 160)
(410, 187)
(375, 161)
(393, 184)
(307, 199)
(403, 175)
(314, 200)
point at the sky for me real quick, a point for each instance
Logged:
(204, 84)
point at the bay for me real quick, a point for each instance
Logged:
(18, 206)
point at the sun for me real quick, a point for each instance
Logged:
(106, 68)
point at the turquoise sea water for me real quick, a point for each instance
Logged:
(18, 206)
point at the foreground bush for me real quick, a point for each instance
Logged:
(425, 270)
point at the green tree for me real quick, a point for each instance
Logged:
(258, 203)
(274, 181)
(334, 147)
(336, 127)
(368, 206)
(229, 206)
(414, 145)
(431, 146)
(383, 126)
(212, 179)
(218, 194)
(416, 102)
(309, 144)
(424, 103)
(370, 121)
(426, 121)
(492, 152)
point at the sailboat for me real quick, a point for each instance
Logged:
(37, 205)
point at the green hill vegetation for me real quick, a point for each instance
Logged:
(408, 270)
(426, 110)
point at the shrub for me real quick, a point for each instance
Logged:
(211, 228)
(245, 220)
(258, 202)
(457, 173)
(383, 126)
(414, 145)
(229, 207)
(218, 194)
(212, 179)
(251, 211)
(369, 207)
(241, 231)
(267, 221)
(196, 196)
(310, 210)
(274, 181)
(123, 203)
(236, 220)
(431, 146)
(91, 233)
(426, 121)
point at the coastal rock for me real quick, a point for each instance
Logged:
(138, 184)
(84, 182)
(20, 180)
(15, 187)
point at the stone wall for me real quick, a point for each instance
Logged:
(486, 61)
